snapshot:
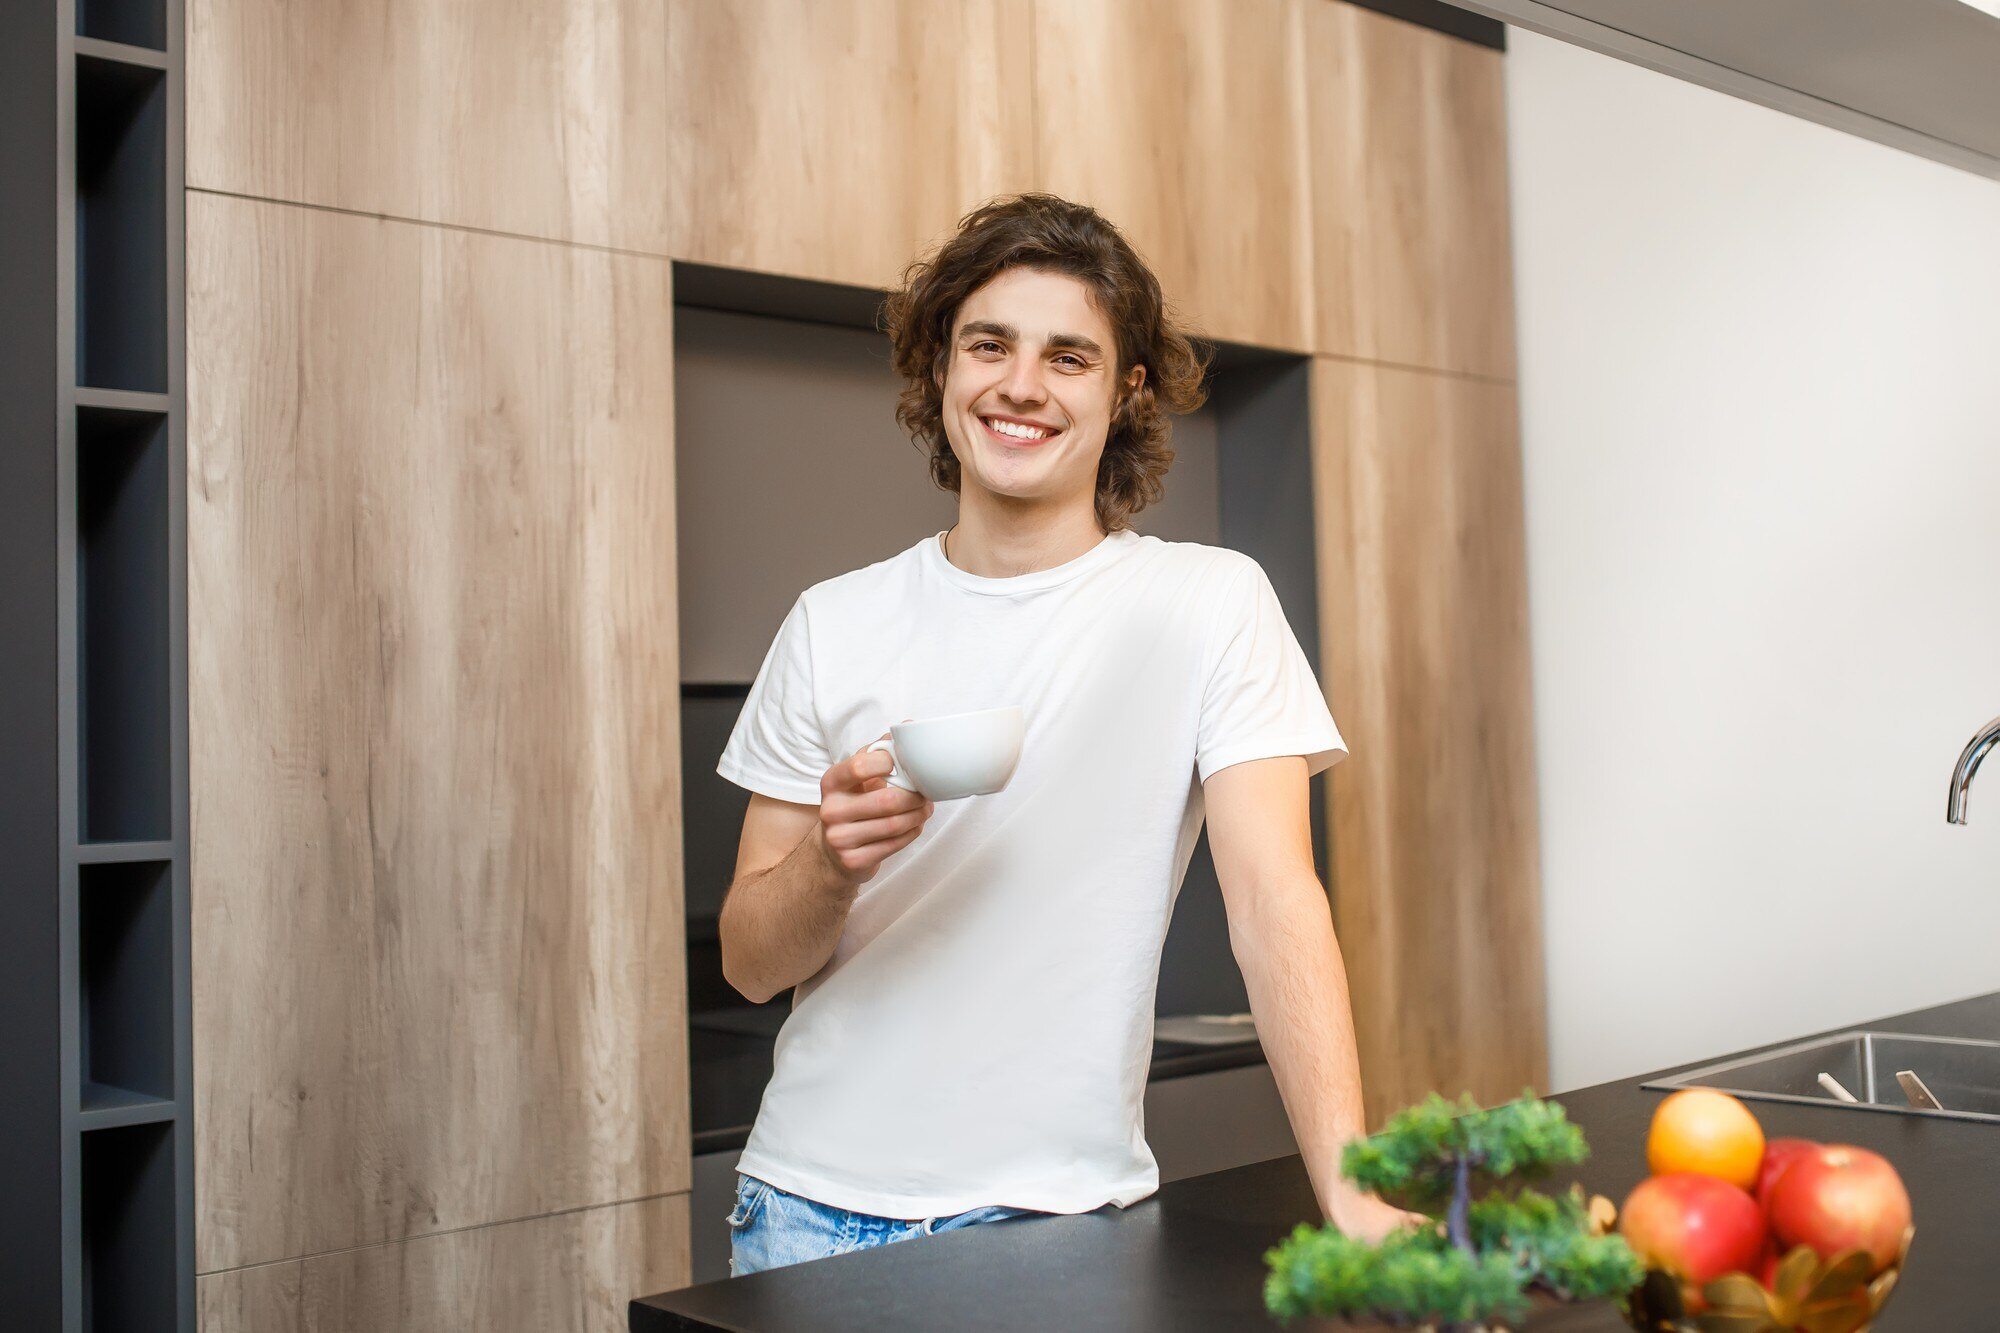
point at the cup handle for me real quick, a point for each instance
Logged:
(896, 777)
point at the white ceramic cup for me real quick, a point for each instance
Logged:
(962, 754)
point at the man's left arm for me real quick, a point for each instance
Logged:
(1281, 931)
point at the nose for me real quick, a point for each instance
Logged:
(1024, 385)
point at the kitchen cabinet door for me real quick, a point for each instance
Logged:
(573, 1272)
(438, 942)
(834, 139)
(1424, 622)
(1184, 121)
(515, 116)
(1409, 193)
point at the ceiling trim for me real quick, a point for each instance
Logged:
(1551, 21)
(1454, 20)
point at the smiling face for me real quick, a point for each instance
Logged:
(1031, 381)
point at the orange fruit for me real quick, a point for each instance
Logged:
(1707, 1132)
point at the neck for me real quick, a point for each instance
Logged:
(997, 542)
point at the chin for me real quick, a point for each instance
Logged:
(1009, 477)
(1016, 490)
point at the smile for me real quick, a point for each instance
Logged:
(1018, 432)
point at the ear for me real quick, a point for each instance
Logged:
(1128, 387)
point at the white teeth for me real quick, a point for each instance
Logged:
(1017, 430)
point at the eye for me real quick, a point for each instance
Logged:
(1074, 361)
(985, 343)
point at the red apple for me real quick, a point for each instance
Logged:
(1840, 1197)
(1767, 1267)
(1778, 1154)
(1693, 1226)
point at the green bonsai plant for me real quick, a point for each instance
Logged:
(1476, 1263)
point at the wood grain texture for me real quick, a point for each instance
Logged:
(571, 1273)
(835, 139)
(1409, 176)
(438, 939)
(1184, 122)
(1423, 614)
(538, 117)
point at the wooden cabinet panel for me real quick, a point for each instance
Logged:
(1423, 615)
(834, 139)
(1409, 172)
(1184, 122)
(572, 1273)
(438, 941)
(512, 115)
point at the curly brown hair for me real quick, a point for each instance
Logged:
(1043, 231)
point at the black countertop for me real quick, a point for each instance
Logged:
(1190, 1257)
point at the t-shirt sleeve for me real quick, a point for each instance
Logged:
(1261, 699)
(778, 746)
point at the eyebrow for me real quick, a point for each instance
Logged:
(1073, 342)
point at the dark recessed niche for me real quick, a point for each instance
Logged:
(129, 1251)
(126, 1014)
(121, 225)
(1253, 439)
(764, 363)
(713, 809)
(1262, 407)
(124, 710)
(134, 22)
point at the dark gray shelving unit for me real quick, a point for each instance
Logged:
(96, 1115)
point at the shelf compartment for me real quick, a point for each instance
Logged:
(105, 1107)
(123, 639)
(122, 52)
(133, 22)
(126, 1014)
(107, 853)
(123, 399)
(121, 224)
(129, 1249)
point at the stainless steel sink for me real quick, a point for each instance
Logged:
(1962, 1072)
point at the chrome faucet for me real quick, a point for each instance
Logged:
(1968, 764)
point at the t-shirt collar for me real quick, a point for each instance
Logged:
(1107, 548)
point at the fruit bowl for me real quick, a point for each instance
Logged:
(1742, 1234)
(1806, 1293)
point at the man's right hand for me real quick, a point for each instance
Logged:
(862, 819)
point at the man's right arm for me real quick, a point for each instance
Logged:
(799, 867)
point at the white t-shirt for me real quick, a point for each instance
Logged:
(983, 1031)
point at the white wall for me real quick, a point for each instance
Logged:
(1760, 394)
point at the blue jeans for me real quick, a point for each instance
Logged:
(770, 1227)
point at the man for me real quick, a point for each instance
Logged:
(972, 1021)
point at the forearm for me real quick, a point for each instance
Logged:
(779, 926)
(1297, 983)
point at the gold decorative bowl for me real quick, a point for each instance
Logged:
(1806, 1294)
